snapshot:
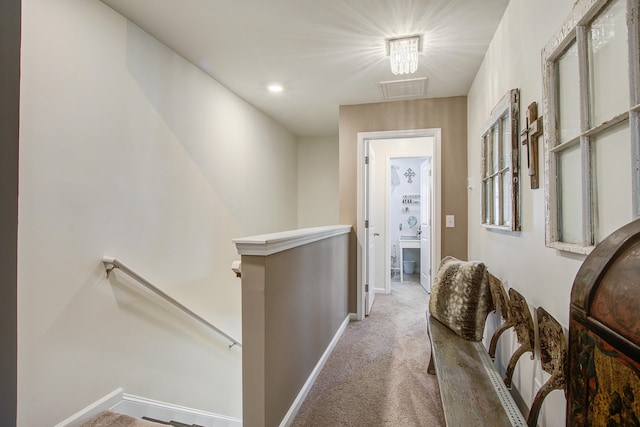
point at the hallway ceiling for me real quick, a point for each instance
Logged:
(325, 53)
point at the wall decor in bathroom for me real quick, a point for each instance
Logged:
(409, 174)
(412, 221)
(411, 199)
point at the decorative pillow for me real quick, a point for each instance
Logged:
(461, 297)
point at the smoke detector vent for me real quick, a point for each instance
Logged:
(408, 88)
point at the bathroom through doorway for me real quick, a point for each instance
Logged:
(375, 150)
(409, 220)
(402, 211)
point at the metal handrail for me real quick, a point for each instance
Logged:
(111, 263)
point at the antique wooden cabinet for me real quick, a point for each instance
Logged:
(604, 334)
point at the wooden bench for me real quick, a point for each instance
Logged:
(470, 386)
(472, 391)
(599, 371)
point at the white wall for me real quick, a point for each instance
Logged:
(128, 150)
(318, 197)
(544, 276)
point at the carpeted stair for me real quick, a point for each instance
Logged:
(113, 419)
(171, 423)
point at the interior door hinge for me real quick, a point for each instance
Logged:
(366, 223)
(366, 287)
(366, 160)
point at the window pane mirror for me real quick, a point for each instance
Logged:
(500, 165)
(592, 102)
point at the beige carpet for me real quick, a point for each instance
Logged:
(113, 419)
(377, 374)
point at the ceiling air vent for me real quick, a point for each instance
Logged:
(404, 88)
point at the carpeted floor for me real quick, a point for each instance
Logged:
(377, 374)
(113, 419)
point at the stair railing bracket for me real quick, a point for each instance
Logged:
(110, 269)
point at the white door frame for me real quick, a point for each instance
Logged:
(362, 148)
(426, 223)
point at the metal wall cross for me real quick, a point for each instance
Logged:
(529, 137)
(409, 174)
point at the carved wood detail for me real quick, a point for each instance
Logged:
(553, 358)
(523, 325)
(500, 302)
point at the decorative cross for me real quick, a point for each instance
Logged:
(409, 174)
(529, 137)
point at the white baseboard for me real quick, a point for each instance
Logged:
(353, 316)
(297, 403)
(139, 407)
(100, 405)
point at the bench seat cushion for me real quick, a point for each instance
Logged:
(461, 297)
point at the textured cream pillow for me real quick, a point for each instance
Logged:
(461, 297)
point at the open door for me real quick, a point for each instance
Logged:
(426, 200)
(370, 234)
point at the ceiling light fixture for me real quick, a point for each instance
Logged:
(403, 54)
(275, 88)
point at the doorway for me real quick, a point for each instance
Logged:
(386, 145)
(406, 215)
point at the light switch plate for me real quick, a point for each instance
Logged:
(450, 221)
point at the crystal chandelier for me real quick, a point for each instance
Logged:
(403, 54)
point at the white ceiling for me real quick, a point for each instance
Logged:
(325, 53)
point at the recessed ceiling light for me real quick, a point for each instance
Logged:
(275, 88)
